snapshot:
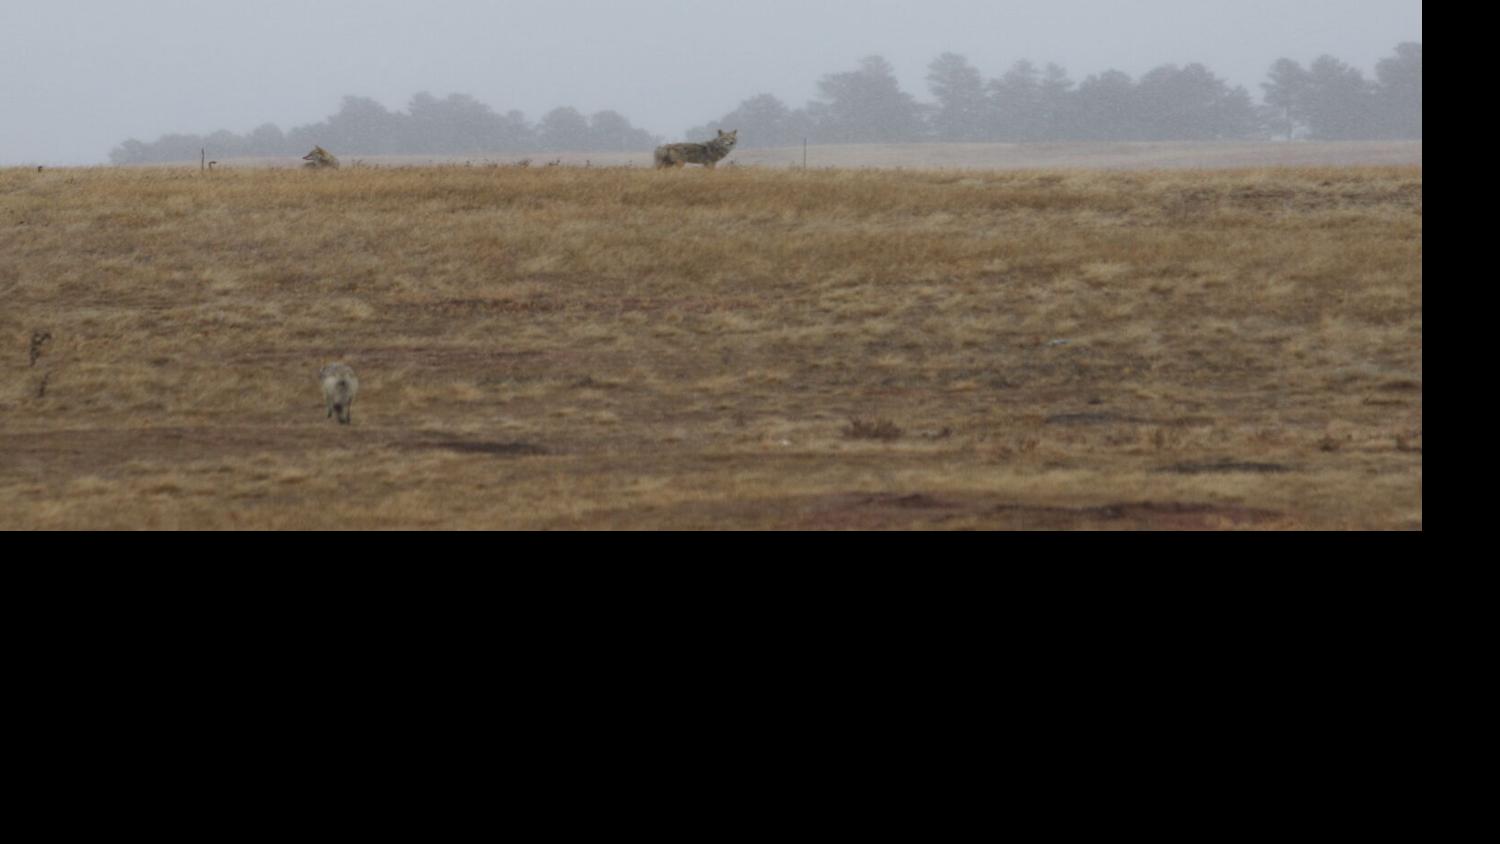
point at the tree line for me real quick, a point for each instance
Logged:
(1325, 100)
(455, 125)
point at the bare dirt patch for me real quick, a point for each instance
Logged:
(921, 510)
(493, 449)
(1211, 467)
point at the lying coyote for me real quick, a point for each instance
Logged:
(707, 154)
(320, 159)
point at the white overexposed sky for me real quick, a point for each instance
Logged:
(78, 77)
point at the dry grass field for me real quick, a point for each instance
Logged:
(1072, 155)
(746, 348)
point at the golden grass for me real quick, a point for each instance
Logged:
(560, 347)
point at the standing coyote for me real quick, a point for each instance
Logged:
(708, 154)
(339, 387)
(320, 159)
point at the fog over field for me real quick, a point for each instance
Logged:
(78, 77)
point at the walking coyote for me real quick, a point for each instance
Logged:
(339, 387)
(320, 159)
(707, 154)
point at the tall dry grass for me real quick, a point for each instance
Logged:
(561, 347)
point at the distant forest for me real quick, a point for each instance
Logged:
(1326, 100)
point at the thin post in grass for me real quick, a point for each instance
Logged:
(804, 153)
(202, 159)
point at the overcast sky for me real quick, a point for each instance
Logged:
(78, 77)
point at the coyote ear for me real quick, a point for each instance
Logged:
(722, 133)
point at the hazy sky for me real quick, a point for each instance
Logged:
(79, 76)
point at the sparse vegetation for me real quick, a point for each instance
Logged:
(38, 340)
(554, 347)
(872, 429)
